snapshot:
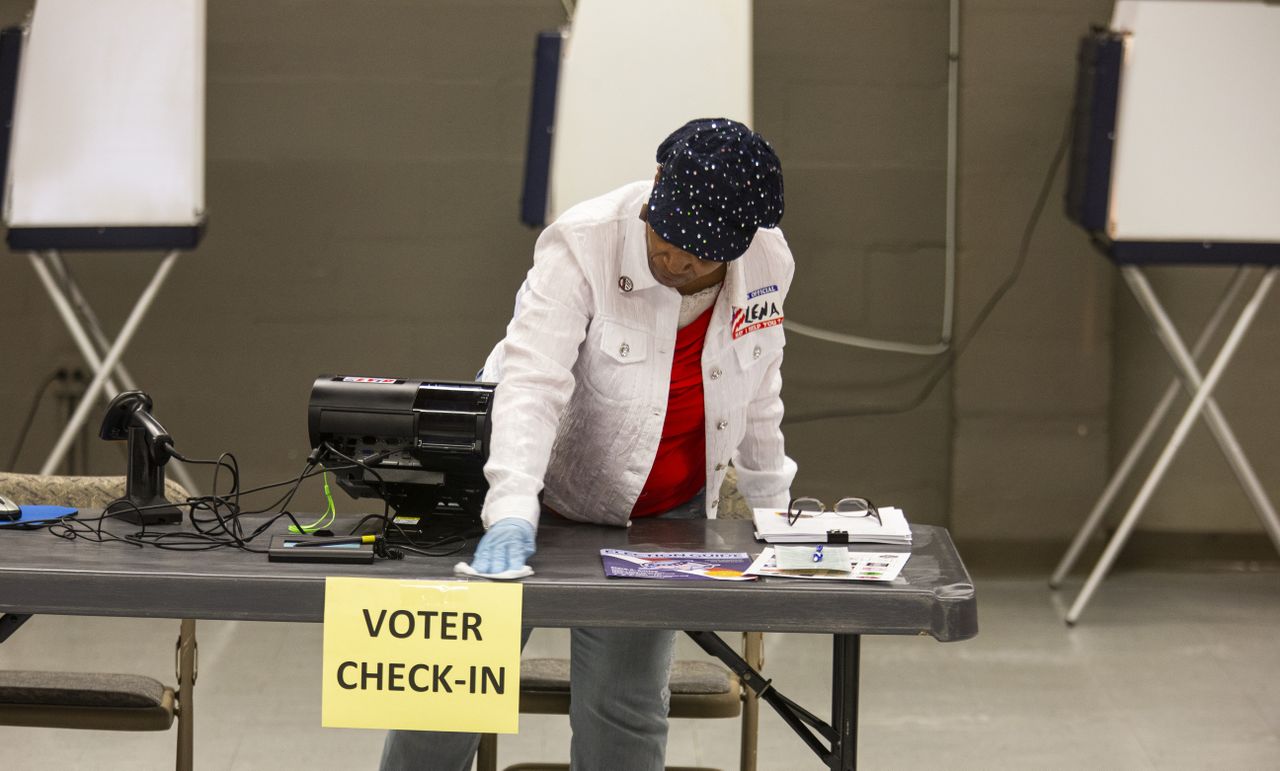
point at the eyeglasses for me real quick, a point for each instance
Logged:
(800, 508)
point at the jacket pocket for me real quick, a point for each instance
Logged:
(616, 367)
(623, 344)
(755, 349)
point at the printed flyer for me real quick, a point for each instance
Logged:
(676, 565)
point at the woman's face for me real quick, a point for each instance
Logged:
(674, 267)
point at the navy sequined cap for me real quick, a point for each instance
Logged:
(719, 182)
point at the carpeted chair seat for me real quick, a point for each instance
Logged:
(88, 493)
(93, 700)
(698, 688)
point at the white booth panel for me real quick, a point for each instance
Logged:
(632, 73)
(109, 117)
(1197, 154)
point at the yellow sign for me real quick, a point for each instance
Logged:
(421, 655)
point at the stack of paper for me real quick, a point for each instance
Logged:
(855, 566)
(831, 527)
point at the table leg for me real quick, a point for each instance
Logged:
(10, 623)
(811, 730)
(187, 665)
(844, 701)
(753, 652)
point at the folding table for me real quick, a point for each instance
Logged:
(933, 596)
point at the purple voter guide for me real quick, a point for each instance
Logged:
(676, 565)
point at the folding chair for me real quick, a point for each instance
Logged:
(96, 701)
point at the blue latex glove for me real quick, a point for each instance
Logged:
(507, 546)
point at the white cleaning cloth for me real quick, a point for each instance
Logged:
(463, 569)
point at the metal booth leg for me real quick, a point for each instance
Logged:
(109, 360)
(62, 303)
(1218, 425)
(188, 668)
(86, 330)
(1148, 432)
(1200, 398)
(88, 319)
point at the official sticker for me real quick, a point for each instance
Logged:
(762, 290)
(756, 316)
(421, 655)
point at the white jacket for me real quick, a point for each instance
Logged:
(585, 369)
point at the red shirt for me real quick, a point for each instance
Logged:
(679, 468)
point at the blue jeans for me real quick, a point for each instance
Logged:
(618, 699)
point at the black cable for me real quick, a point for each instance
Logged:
(222, 527)
(70, 528)
(385, 516)
(948, 360)
(438, 542)
(227, 533)
(210, 503)
(229, 465)
(387, 522)
(234, 529)
(382, 483)
(455, 550)
(31, 415)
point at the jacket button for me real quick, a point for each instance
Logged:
(756, 353)
(625, 284)
(722, 425)
(624, 350)
(715, 373)
(715, 504)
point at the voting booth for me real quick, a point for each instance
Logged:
(103, 152)
(599, 78)
(1175, 161)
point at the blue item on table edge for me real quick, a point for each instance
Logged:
(40, 516)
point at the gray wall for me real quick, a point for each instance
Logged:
(1032, 391)
(854, 97)
(364, 169)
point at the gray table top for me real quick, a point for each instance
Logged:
(40, 573)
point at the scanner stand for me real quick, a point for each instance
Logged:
(144, 502)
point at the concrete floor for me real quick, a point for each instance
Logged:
(1167, 671)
